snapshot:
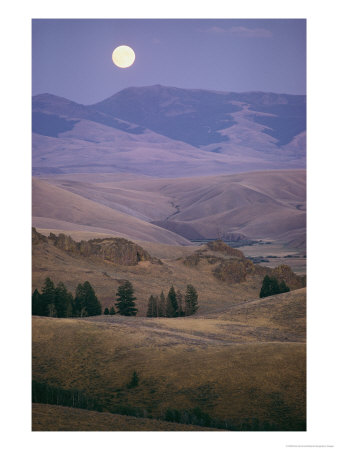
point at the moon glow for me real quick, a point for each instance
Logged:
(123, 56)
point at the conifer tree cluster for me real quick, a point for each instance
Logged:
(109, 312)
(174, 305)
(271, 286)
(59, 302)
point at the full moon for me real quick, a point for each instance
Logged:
(123, 56)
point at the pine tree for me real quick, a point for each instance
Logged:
(125, 303)
(152, 307)
(161, 312)
(70, 307)
(265, 289)
(106, 312)
(274, 286)
(47, 297)
(86, 302)
(270, 286)
(171, 307)
(191, 300)
(79, 302)
(156, 305)
(93, 306)
(36, 303)
(62, 299)
(112, 311)
(179, 297)
(283, 287)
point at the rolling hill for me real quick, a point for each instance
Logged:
(239, 369)
(254, 205)
(60, 206)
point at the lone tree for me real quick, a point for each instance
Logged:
(152, 310)
(125, 300)
(270, 286)
(191, 300)
(106, 312)
(134, 380)
(172, 306)
(112, 311)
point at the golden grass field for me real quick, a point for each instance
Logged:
(244, 364)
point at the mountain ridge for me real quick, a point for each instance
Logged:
(201, 131)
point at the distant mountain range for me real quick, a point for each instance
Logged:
(169, 132)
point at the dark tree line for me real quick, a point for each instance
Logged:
(271, 286)
(174, 305)
(58, 302)
(53, 395)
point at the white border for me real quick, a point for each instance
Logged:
(322, 222)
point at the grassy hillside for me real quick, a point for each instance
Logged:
(213, 273)
(216, 288)
(242, 366)
(54, 203)
(60, 418)
(147, 278)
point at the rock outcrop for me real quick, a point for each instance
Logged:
(231, 266)
(117, 251)
(38, 237)
(232, 271)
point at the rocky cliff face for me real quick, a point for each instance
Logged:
(231, 266)
(37, 237)
(114, 250)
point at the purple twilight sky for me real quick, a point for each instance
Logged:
(72, 58)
